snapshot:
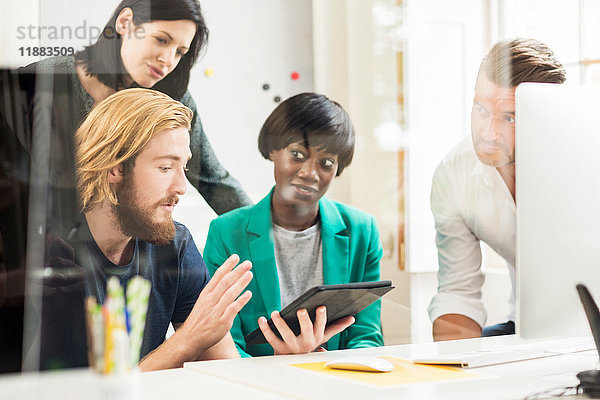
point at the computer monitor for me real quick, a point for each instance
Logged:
(558, 206)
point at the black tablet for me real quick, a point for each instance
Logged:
(340, 300)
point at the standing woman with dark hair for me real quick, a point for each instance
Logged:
(151, 44)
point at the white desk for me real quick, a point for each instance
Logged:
(272, 378)
(172, 384)
(505, 381)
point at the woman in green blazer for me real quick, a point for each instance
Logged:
(296, 238)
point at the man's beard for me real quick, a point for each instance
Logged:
(503, 156)
(136, 221)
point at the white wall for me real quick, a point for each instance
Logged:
(251, 43)
(445, 45)
(22, 14)
(36, 23)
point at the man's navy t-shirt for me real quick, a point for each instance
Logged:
(177, 274)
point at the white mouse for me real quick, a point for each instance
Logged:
(369, 364)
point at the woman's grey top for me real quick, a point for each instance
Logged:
(299, 258)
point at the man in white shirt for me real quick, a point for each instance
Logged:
(473, 190)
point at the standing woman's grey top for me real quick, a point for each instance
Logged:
(71, 104)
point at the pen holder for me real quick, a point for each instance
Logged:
(116, 329)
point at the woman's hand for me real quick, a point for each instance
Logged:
(311, 335)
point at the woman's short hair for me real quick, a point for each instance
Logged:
(312, 120)
(115, 132)
(103, 58)
(512, 62)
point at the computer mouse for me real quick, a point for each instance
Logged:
(368, 364)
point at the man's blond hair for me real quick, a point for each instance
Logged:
(115, 132)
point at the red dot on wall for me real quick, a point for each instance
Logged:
(295, 76)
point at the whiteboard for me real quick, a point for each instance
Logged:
(251, 43)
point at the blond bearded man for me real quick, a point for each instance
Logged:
(131, 155)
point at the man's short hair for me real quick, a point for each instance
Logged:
(512, 62)
(115, 132)
(312, 120)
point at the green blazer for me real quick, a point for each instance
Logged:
(351, 253)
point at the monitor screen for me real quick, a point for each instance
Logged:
(558, 206)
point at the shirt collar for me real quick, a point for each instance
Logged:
(492, 179)
(487, 173)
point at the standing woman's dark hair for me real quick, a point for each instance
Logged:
(103, 58)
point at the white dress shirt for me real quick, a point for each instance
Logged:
(470, 202)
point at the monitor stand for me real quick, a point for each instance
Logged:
(590, 380)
